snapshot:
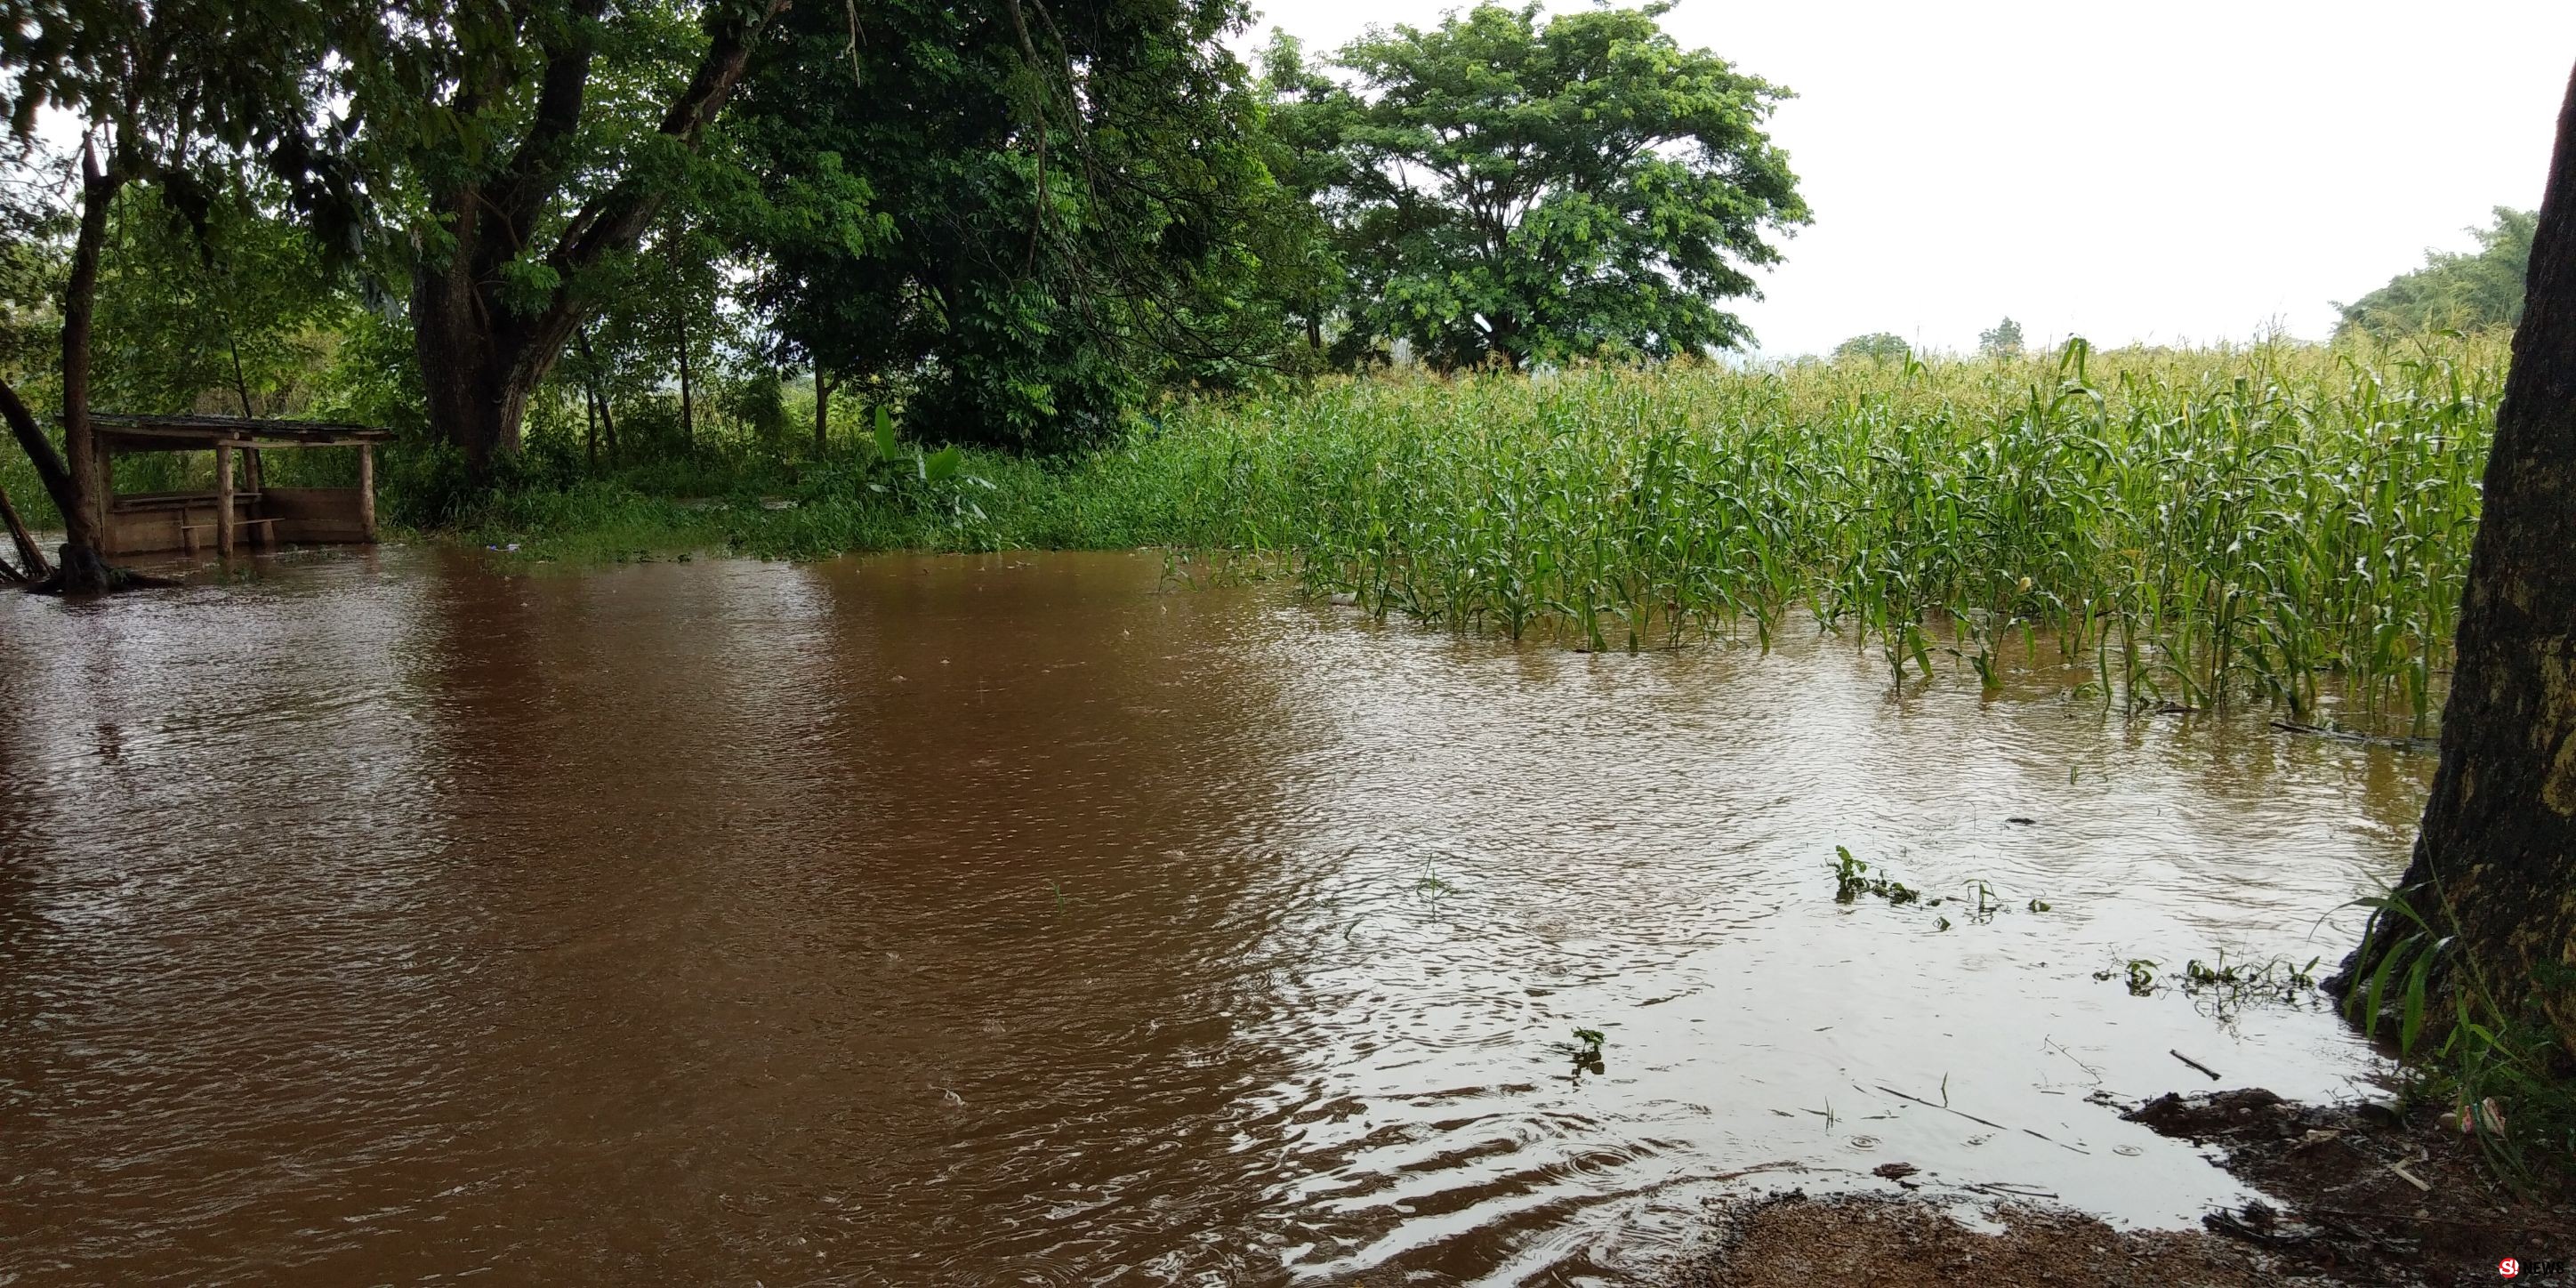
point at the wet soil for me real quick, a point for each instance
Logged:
(1792, 1239)
(2372, 1196)
(2362, 1196)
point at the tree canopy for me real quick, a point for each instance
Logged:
(2454, 290)
(1021, 217)
(1877, 346)
(1015, 222)
(1509, 189)
(2003, 341)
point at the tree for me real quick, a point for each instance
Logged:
(1877, 346)
(527, 148)
(2495, 861)
(2004, 341)
(174, 93)
(1304, 261)
(2452, 291)
(1026, 214)
(1515, 191)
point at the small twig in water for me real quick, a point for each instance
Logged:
(2051, 1044)
(2213, 1073)
(1929, 1105)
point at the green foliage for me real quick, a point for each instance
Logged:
(233, 312)
(2453, 291)
(177, 92)
(1585, 1052)
(2004, 341)
(2504, 1076)
(1508, 190)
(759, 404)
(1852, 880)
(1877, 346)
(1027, 224)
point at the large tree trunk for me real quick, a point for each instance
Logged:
(85, 507)
(478, 365)
(2495, 862)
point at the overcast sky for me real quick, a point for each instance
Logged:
(2192, 170)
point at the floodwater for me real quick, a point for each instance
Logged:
(409, 918)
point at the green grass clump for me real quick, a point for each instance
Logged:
(2501, 1073)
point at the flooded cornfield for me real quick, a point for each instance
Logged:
(1031, 919)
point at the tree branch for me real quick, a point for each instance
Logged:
(615, 219)
(520, 194)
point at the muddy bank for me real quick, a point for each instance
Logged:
(2359, 1197)
(1791, 1238)
(2370, 1197)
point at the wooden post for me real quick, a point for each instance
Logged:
(367, 491)
(224, 501)
(107, 543)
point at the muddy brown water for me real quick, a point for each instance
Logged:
(1018, 920)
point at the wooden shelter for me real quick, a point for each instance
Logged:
(241, 507)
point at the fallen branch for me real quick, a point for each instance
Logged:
(2213, 1073)
(1946, 1109)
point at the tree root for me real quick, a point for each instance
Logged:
(79, 572)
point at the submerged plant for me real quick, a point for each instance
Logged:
(1852, 880)
(2276, 979)
(2230, 984)
(1585, 1051)
(2141, 976)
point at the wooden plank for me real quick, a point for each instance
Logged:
(133, 502)
(224, 502)
(205, 423)
(367, 491)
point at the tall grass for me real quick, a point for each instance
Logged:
(2275, 523)
(2196, 528)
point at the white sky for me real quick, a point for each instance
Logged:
(2193, 170)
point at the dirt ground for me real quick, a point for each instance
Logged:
(2365, 1200)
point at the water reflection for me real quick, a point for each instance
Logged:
(1006, 920)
